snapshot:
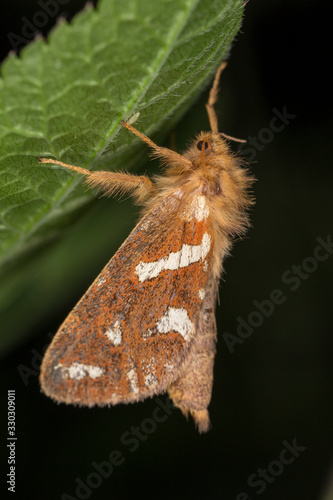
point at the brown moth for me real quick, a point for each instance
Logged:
(147, 323)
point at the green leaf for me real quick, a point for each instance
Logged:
(65, 98)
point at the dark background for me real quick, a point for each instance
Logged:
(276, 386)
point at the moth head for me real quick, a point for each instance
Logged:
(209, 149)
(221, 175)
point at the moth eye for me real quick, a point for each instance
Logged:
(203, 144)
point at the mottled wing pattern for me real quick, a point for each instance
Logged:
(131, 331)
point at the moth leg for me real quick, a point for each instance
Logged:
(168, 155)
(191, 392)
(140, 186)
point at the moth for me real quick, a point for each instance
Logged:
(147, 323)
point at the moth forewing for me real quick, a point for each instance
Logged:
(121, 342)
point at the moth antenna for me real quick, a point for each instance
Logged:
(214, 91)
(168, 155)
(141, 187)
(231, 138)
(210, 106)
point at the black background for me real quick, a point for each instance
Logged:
(276, 386)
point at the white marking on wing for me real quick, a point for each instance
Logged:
(133, 380)
(188, 254)
(100, 281)
(149, 370)
(147, 334)
(150, 380)
(201, 293)
(115, 334)
(176, 320)
(201, 210)
(77, 371)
